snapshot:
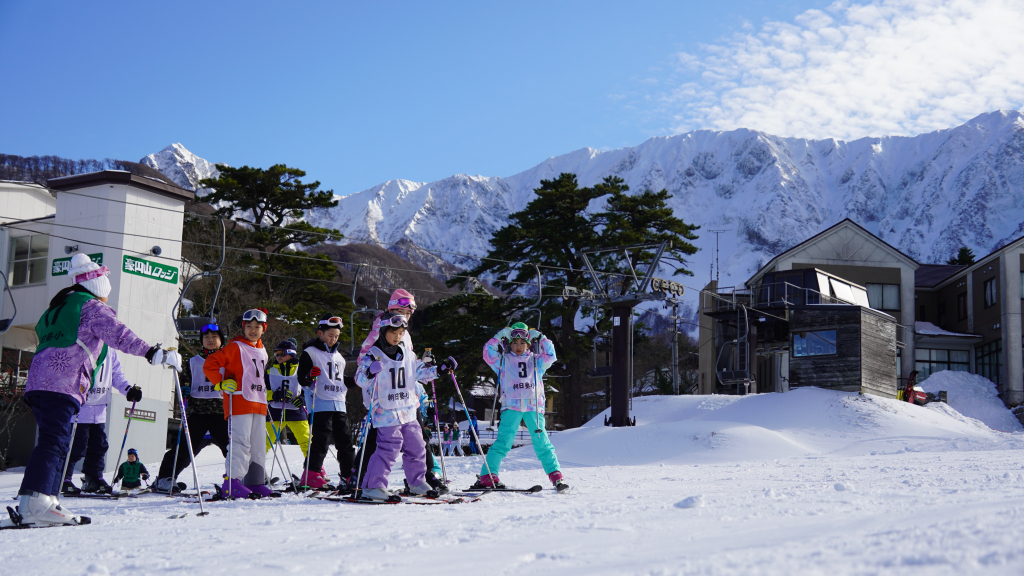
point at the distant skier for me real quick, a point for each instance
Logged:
(322, 373)
(73, 333)
(244, 361)
(131, 470)
(520, 375)
(91, 434)
(204, 408)
(388, 373)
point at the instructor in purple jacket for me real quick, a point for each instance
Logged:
(74, 334)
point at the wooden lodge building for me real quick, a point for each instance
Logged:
(846, 310)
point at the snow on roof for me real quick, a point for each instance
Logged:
(929, 329)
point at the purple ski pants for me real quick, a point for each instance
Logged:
(405, 438)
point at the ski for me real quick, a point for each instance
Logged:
(111, 496)
(177, 516)
(530, 490)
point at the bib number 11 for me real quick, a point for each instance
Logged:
(397, 377)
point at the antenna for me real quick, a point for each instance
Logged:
(718, 270)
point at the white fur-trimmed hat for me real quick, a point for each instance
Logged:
(90, 275)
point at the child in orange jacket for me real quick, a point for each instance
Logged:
(244, 361)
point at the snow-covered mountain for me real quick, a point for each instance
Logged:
(183, 167)
(928, 195)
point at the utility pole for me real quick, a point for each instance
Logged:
(718, 269)
(675, 349)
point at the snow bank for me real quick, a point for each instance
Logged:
(804, 422)
(973, 396)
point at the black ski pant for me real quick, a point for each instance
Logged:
(325, 426)
(90, 441)
(198, 426)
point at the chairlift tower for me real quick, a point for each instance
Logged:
(621, 293)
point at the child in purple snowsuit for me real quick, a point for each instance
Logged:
(388, 375)
(74, 333)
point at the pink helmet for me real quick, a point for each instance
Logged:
(401, 299)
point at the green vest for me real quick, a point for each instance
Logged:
(131, 471)
(58, 328)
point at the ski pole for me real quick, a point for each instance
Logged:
(309, 441)
(274, 452)
(67, 459)
(177, 447)
(280, 433)
(231, 445)
(362, 453)
(466, 410)
(437, 426)
(125, 439)
(191, 454)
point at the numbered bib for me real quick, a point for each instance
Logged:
(254, 365)
(201, 387)
(395, 386)
(100, 393)
(330, 384)
(519, 381)
(279, 382)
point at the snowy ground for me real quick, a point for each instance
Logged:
(809, 482)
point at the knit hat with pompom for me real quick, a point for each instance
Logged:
(90, 275)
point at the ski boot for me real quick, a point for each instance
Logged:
(313, 480)
(166, 486)
(39, 510)
(556, 481)
(487, 482)
(425, 490)
(379, 494)
(234, 489)
(436, 483)
(262, 491)
(95, 485)
(69, 489)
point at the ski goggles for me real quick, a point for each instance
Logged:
(101, 271)
(254, 314)
(332, 322)
(395, 321)
(133, 452)
(280, 353)
(209, 328)
(403, 303)
(520, 334)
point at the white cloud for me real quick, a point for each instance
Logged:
(857, 69)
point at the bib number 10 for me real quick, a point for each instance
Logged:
(397, 377)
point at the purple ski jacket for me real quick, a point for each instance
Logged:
(69, 370)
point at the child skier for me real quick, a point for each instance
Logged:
(91, 434)
(244, 362)
(520, 375)
(204, 408)
(285, 394)
(131, 471)
(388, 374)
(322, 371)
(73, 333)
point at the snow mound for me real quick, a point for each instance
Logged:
(973, 396)
(802, 423)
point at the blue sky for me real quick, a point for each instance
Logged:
(359, 93)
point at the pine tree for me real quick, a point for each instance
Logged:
(965, 257)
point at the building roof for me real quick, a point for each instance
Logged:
(930, 275)
(845, 222)
(66, 183)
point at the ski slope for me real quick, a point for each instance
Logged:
(808, 482)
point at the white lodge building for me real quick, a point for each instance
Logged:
(132, 225)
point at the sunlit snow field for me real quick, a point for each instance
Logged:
(808, 482)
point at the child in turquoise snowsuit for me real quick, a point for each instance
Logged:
(520, 373)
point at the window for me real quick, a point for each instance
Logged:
(884, 296)
(929, 361)
(988, 360)
(991, 290)
(961, 306)
(27, 260)
(921, 313)
(816, 343)
(941, 313)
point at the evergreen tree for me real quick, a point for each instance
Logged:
(965, 257)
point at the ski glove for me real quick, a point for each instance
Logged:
(186, 390)
(227, 385)
(134, 394)
(283, 396)
(448, 365)
(504, 334)
(535, 335)
(159, 356)
(299, 401)
(374, 368)
(145, 475)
